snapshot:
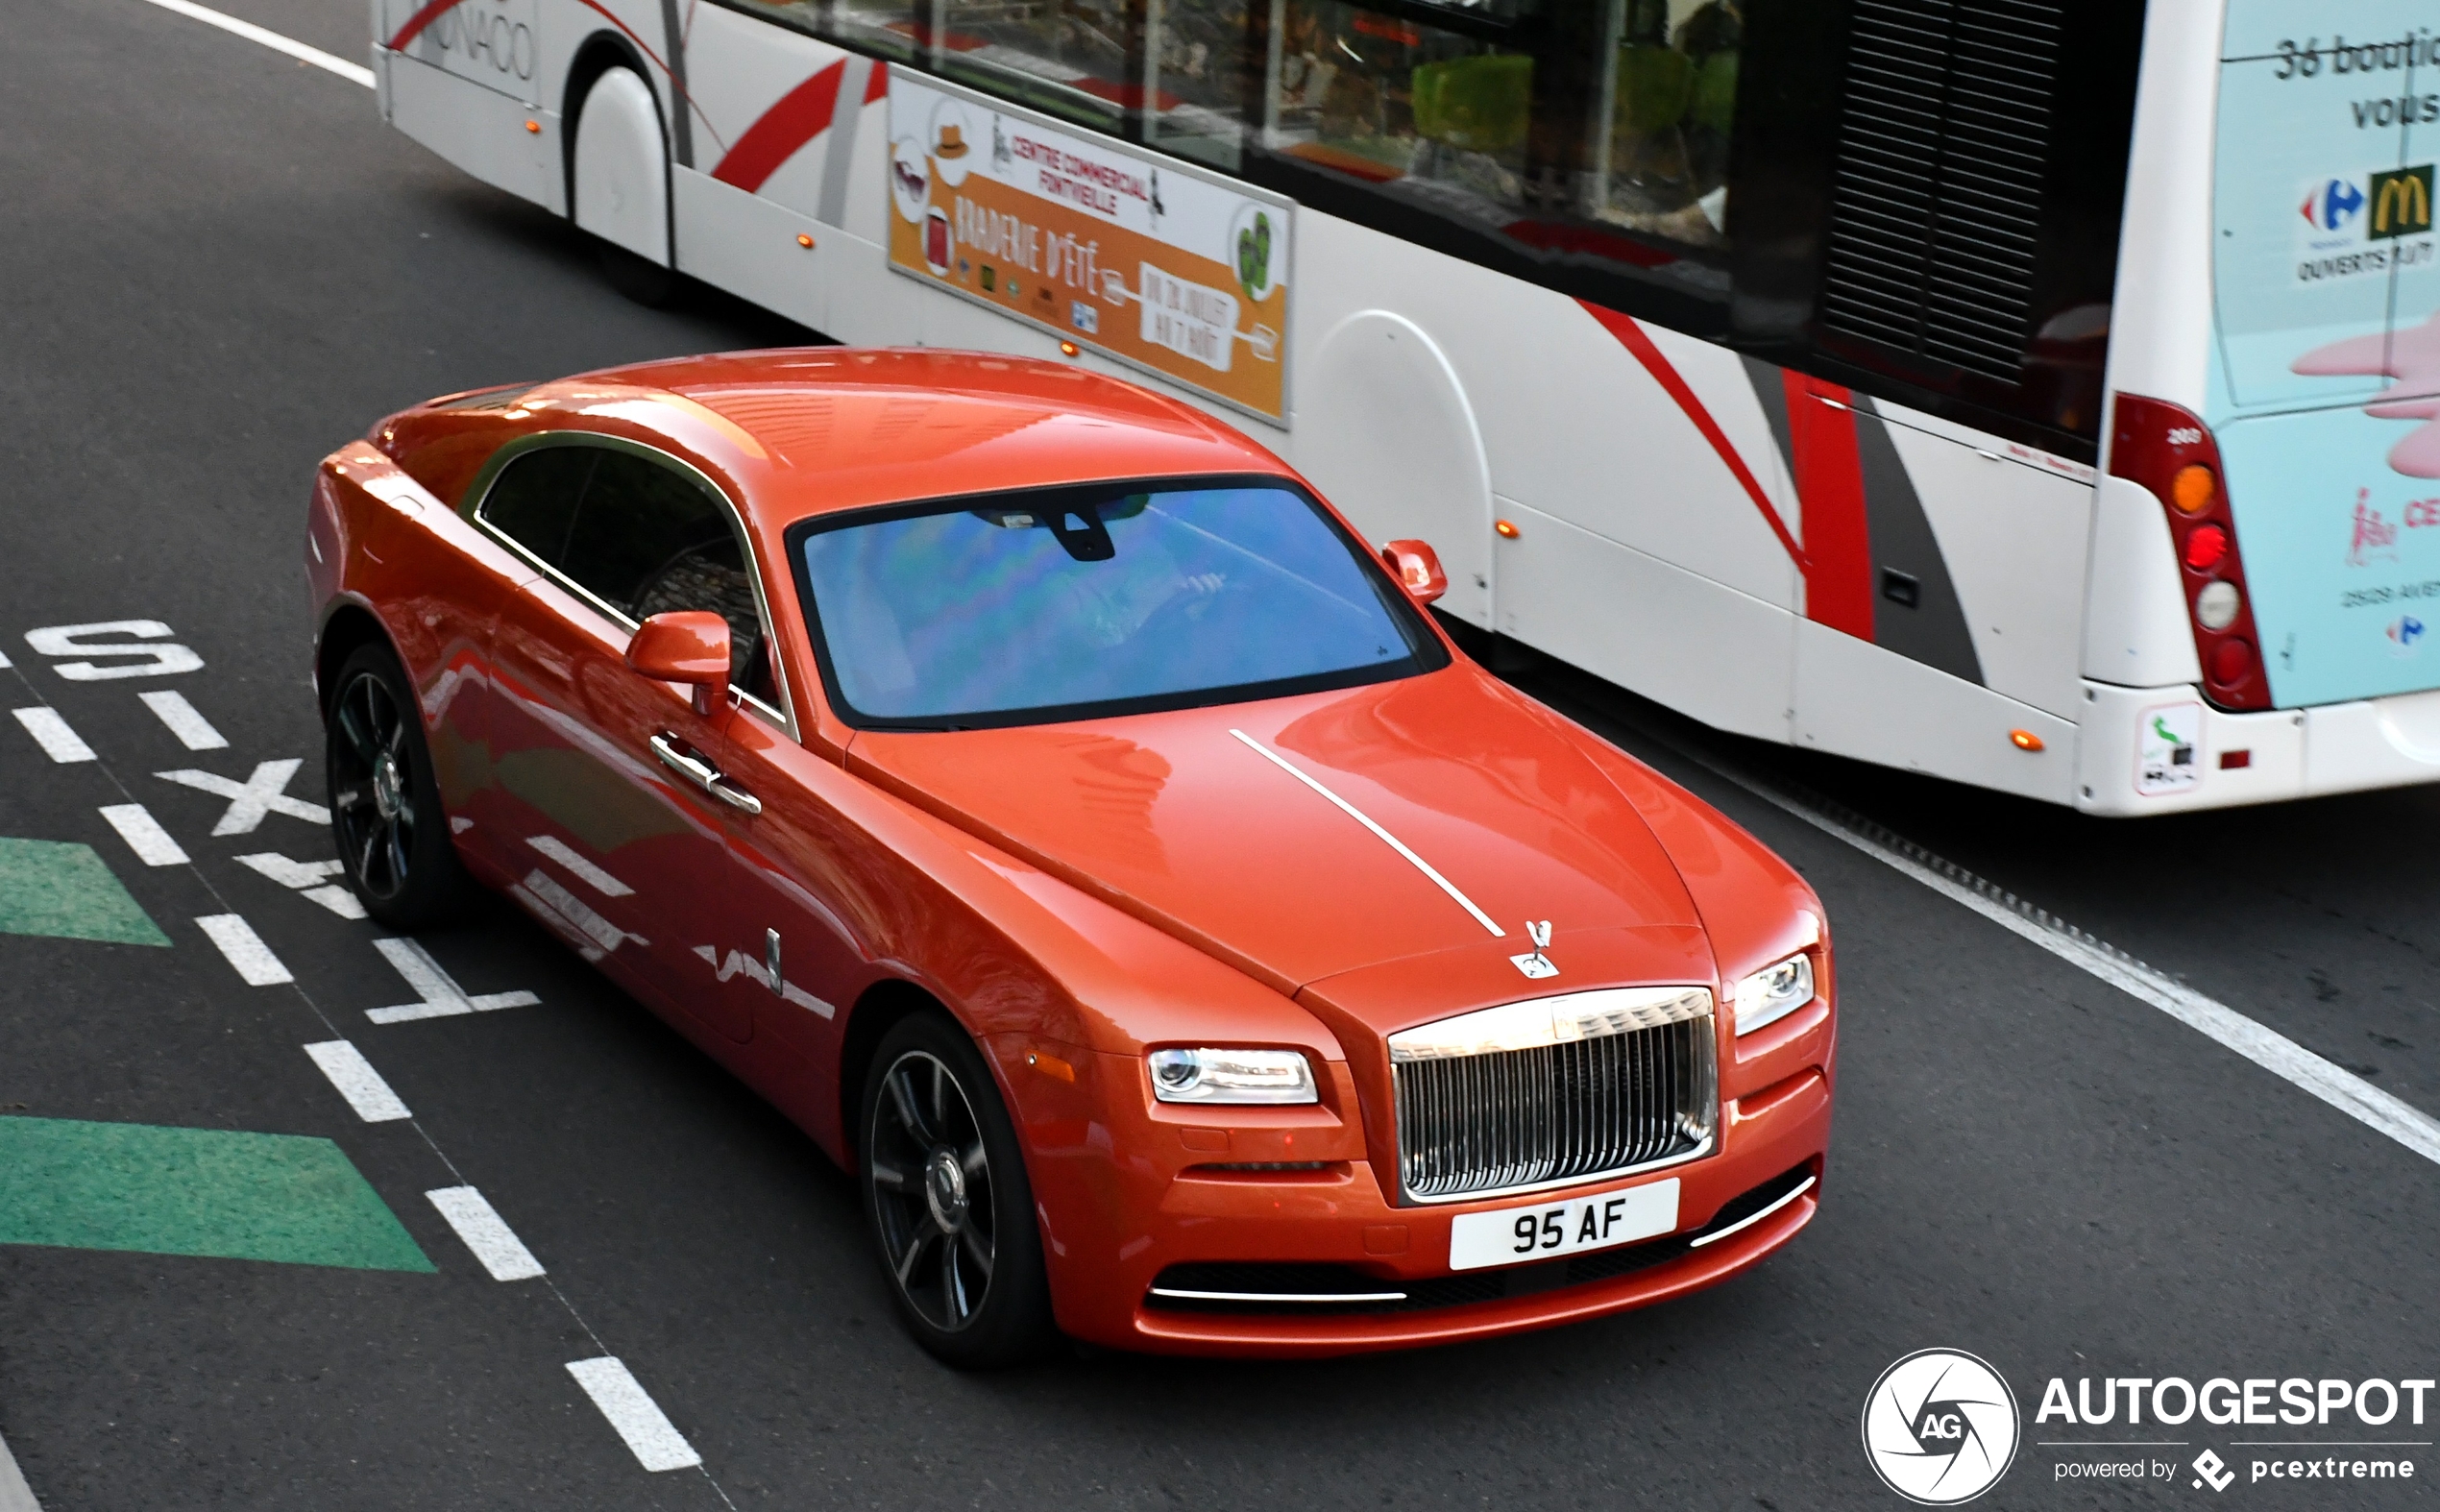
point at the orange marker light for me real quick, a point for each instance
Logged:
(2024, 739)
(1068, 349)
(1506, 529)
(1051, 1066)
(2193, 489)
(534, 127)
(804, 241)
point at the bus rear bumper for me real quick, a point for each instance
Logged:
(2127, 765)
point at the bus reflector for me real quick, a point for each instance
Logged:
(1506, 529)
(2024, 739)
(2174, 455)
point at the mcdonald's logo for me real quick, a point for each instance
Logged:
(2401, 204)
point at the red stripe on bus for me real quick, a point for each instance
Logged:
(1829, 470)
(416, 23)
(877, 83)
(1631, 336)
(802, 115)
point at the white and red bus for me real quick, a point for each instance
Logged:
(2027, 392)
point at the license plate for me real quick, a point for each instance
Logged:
(1542, 1231)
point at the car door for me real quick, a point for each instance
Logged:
(625, 856)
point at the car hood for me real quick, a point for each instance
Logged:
(1193, 821)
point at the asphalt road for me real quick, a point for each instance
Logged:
(218, 265)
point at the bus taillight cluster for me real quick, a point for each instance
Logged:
(2172, 453)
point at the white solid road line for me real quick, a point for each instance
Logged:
(358, 1082)
(16, 1496)
(245, 949)
(486, 1233)
(657, 1443)
(356, 73)
(440, 994)
(145, 835)
(52, 733)
(193, 729)
(2272, 1051)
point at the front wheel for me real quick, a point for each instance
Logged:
(945, 1192)
(385, 804)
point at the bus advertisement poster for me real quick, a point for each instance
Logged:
(1144, 260)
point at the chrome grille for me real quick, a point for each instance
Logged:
(1554, 1090)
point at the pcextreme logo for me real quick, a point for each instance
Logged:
(1940, 1428)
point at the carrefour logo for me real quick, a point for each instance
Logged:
(2332, 204)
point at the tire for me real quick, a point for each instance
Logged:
(386, 820)
(945, 1189)
(641, 281)
(619, 185)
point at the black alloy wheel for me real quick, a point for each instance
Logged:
(946, 1193)
(385, 807)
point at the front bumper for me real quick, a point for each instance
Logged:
(1116, 1219)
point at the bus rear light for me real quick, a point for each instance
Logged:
(2174, 455)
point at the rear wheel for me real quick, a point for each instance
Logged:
(385, 805)
(945, 1192)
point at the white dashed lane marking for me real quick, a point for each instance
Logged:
(245, 949)
(486, 1233)
(358, 1082)
(193, 729)
(145, 835)
(250, 800)
(308, 877)
(439, 995)
(52, 732)
(654, 1439)
(585, 871)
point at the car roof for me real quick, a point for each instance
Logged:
(811, 430)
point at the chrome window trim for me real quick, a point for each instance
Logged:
(784, 718)
(1540, 1021)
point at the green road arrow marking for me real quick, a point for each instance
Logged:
(194, 1191)
(49, 887)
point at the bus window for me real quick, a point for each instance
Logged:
(1070, 58)
(1661, 167)
(889, 27)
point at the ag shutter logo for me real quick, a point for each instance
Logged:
(1940, 1428)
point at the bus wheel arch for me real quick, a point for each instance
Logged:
(618, 170)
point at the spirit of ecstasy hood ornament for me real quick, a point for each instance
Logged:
(1534, 963)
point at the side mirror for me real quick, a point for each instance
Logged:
(1417, 566)
(684, 646)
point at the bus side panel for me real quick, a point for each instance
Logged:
(2013, 537)
(1855, 698)
(1670, 635)
(748, 245)
(477, 130)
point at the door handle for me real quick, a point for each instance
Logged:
(703, 774)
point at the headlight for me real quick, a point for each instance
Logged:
(1231, 1076)
(1773, 992)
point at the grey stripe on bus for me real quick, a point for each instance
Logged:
(681, 104)
(1933, 631)
(1770, 389)
(839, 165)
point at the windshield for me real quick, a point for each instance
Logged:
(1118, 599)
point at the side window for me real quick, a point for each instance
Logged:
(534, 501)
(646, 540)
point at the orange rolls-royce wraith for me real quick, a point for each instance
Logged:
(1036, 791)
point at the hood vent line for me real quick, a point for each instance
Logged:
(1366, 820)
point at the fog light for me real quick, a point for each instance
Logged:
(1231, 1076)
(2216, 608)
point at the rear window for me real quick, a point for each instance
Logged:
(1024, 608)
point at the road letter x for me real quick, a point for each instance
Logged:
(250, 800)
